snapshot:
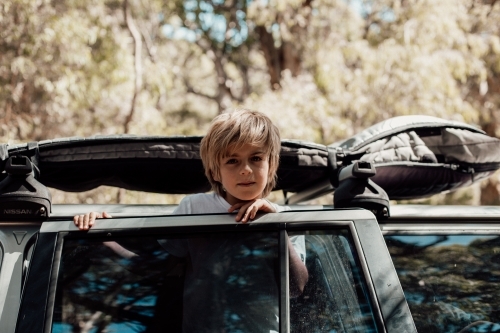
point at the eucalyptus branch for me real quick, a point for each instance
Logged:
(187, 84)
(150, 47)
(136, 36)
(191, 90)
(492, 5)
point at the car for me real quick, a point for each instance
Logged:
(447, 259)
(373, 266)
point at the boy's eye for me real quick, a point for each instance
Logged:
(256, 158)
(231, 161)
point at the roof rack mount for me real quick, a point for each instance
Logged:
(22, 196)
(356, 189)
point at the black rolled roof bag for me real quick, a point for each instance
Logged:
(419, 156)
(154, 164)
(414, 157)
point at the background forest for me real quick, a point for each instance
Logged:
(323, 70)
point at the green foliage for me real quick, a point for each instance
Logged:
(448, 284)
(54, 66)
(323, 70)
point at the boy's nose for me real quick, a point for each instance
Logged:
(245, 168)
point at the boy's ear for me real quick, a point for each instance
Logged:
(215, 176)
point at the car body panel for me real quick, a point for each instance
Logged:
(388, 304)
(15, 241)
(447, 262)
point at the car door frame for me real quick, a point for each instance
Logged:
(390, 309)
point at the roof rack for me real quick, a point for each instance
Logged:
(22, 196)
(356, 189)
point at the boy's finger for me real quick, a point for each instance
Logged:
(92, 217)
(244, 216)
(86, 221)
(76, 219)
(242, 213)
(106, 215)
(254, 211)
(80, 222)
(234, 207)
(250, 213)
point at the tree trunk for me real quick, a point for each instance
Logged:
(272, 56)
(490, 191)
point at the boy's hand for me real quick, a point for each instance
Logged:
(248, 209)
(86, 221)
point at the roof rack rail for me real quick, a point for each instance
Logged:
(22, 196)
(356, 189)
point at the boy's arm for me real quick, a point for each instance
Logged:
(298, 271)
(86, 221)
(248, 210)
(120, 250)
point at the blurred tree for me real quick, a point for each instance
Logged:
(53, 57)
(280, 28)
(323, 70)
(220, 35)
(445, 278)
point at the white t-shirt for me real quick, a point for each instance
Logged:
(212, 203)
(209, 203)
(213, 299)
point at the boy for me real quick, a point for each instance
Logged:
(242, 136)
(240, 155)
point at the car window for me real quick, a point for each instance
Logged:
(1, 256)
(335, 298)
(27, 255)
(224, 281)
(450, 281)
(141, 274)
(201, 282)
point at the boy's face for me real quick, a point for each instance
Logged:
(244, 173)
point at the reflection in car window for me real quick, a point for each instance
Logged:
(450, 281)
(27, 254)
(192, 283)
(1, 256)
(335, 298)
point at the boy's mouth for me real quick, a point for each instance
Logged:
(246, 183)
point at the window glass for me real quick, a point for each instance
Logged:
(224, 282)
(1, 256)
(450, 281)
(27, 254)
(335, 298)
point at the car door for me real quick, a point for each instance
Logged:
(16, 244)
(206, 273)
(448, 262)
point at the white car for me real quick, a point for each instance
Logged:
(372, 267)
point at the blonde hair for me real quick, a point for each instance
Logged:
(234, 130)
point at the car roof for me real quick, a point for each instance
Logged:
(455, 212)
(307, 170)
(121, 210)
(397, 211)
